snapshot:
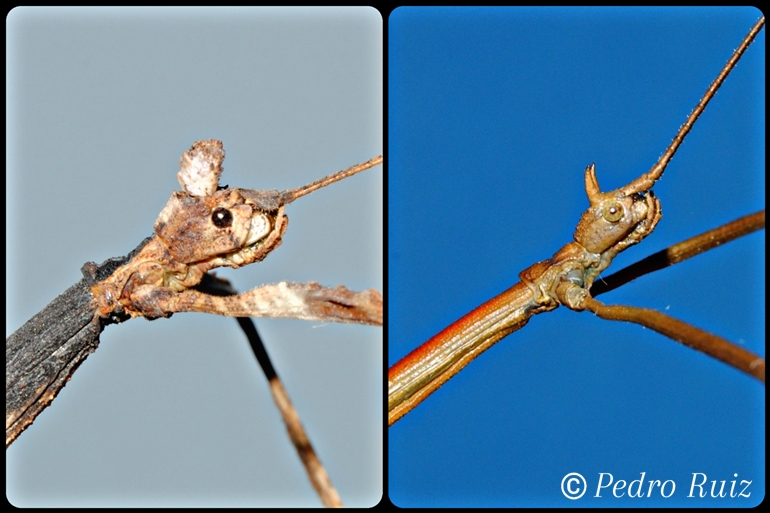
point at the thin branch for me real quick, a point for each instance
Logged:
(315, 470)
(681, 251)
(319, 478)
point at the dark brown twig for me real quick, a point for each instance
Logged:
(681, 252)
(319, 478)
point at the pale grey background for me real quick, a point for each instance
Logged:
(101, 103)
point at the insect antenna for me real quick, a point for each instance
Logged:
(290, 195)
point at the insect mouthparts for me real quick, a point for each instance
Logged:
(260, 227)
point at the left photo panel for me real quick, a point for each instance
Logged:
(178, 412)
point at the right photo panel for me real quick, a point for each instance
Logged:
(529, 159)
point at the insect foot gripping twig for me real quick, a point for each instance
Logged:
(206, 226)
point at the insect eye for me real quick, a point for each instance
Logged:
(613, 212)
(221, 217)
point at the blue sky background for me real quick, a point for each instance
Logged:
(175, 412)
(494, 115)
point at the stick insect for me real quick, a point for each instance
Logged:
(137, 423)
(536, 95)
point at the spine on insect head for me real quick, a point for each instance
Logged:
(200, 168)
